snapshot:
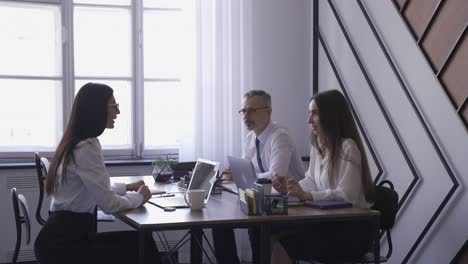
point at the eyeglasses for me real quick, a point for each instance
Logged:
(115, 106)
(244, 111)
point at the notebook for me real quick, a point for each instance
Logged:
(328, 204)
(203, 177)
(230, 187)
(243, 172)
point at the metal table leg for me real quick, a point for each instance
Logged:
(265, 245)
(196, 240)
(141, 246)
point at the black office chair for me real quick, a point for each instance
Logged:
(42, 165)
(386, 201)
(21, 212)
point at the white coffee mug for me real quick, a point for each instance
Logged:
(196, 199)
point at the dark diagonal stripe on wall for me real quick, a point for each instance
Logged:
(345, 93)
(382, 108)
(428, 133)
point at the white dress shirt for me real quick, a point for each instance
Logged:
(277, 151)
(87, 183)
(347, 173)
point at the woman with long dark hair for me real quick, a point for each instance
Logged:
(78, 182)
(338, 170)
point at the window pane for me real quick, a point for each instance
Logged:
(165, 3)
(164, 45)
(30, 40)
(31, 112)
(121, 135)
(164, 114)
(102, 42)
(104, 2)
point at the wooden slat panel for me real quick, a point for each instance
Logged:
(455, 76)
(418, 13)
(445, 30)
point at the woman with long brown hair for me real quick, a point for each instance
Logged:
(338, 170)
(78, 182)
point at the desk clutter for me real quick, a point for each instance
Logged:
(328, 204)
(184, 182)
(255, 202)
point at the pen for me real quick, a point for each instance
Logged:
(167, 195)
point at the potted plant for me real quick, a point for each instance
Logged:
(162, 168)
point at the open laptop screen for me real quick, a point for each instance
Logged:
(204, 176)
(243, 172)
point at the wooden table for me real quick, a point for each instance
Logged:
(223, 211)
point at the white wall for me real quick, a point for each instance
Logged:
(448, 232)
(277, 43)
(281, 62)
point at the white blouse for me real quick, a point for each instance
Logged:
(87, 183)
(347, 174)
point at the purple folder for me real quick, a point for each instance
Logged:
(328, 204)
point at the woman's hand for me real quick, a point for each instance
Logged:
(280, 184)
(295, 189)
(134, 186)
(144, 190)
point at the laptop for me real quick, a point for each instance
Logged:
(203, 177)
(243, 173)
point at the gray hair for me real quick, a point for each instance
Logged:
(266, 96)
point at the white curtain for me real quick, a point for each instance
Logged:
(214, 128)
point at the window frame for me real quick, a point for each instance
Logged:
(21, 156)
(137, 150)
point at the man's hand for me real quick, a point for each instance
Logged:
(134, 186)
(280, 184)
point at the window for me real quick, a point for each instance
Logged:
(30, 77)
(103, 53)
(168, 56)
(144, 50)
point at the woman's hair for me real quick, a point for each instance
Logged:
(337, 124)
(88, 119)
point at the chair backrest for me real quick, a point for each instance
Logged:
(387, 203)
(45, 164)
(21, 212)
(42, 165)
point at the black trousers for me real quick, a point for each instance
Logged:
(225, 245)
(68, 237)
(328, 242)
